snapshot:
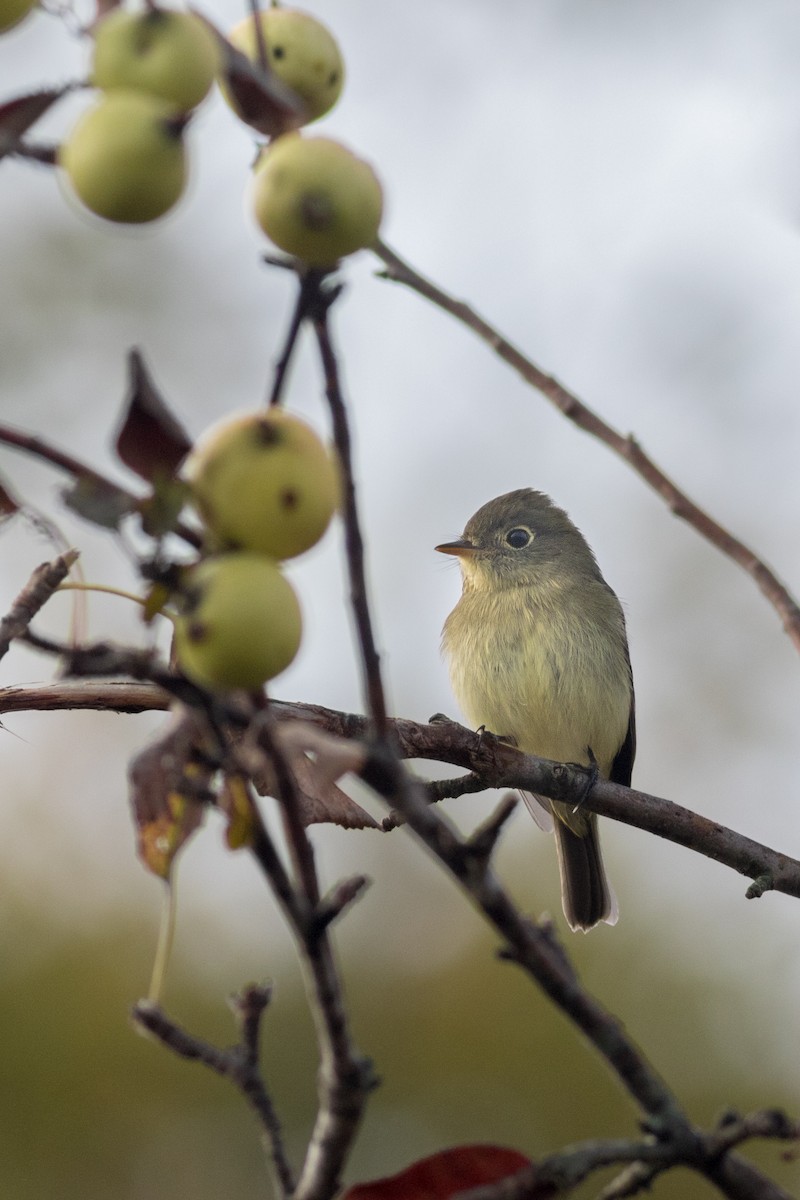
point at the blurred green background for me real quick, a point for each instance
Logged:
(614, 183)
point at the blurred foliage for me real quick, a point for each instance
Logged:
(467, 1052)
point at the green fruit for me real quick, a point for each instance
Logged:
(125, 157)
(14, 11)
(264, 482)
(168, 54)
(240, 625)
(300, 51)
(314, 199)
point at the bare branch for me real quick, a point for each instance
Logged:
(37, 591)
(626, 447)
(532, 948)
(493, 765)
(100, 695)
(238, 1063)
(295, 324)
(499, 765)
(354, 543)
(562, 1171)
(345, 1076)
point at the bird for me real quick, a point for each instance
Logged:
(538, 655)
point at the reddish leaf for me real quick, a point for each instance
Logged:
(259, 97)
(17, 115)
(444, 1174)
(8, 504)
(151, 441)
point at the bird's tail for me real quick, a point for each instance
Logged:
(586, 895)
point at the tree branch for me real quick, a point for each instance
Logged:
(345, 1076)
(37, 591)
(627, 448)
(491, 763)
(354, 543)
(238, 1063)
(562, 1171)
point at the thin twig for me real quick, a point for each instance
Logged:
(563, 1170)
(300, 847)
(354, 542)
(37, 591)
(534, 949)
(295, 325)
(531, 948)
(626, 447)
(345, 1076)
(238, 1063)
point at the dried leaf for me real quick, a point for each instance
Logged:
(258, 97)
(317, 760)
(324, 802)
(333, 756)
(97, 501)
(444, 1174)
(166, 790)
(151, 441)
(234, 800)
(17, 115)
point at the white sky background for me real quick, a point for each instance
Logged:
(615, 185)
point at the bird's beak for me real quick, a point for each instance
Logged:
(462, 547)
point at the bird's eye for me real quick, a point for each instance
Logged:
(519, 537)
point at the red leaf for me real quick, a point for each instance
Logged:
(8, 503)
(259, 97)
(444, 1174)
(151, 441)
(17, 115)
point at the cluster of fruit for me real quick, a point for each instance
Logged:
(266, 488)
(125, 158)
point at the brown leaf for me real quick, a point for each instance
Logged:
(17, 115)
(259, 98)
(151, 441)
(317, 760)
(167, 788)
(444, 1174)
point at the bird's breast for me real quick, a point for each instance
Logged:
(549, 670)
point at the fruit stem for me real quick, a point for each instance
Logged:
(101, 587)
(166, 937)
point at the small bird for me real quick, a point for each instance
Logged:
(538, 654)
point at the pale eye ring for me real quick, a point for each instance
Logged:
(519, 537)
